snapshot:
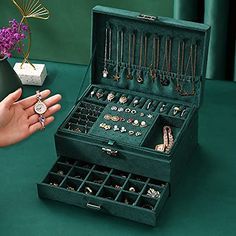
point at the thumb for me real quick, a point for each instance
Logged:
(12, 97)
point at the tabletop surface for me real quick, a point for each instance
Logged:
(204, 202)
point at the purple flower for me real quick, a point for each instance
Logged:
(11, 37)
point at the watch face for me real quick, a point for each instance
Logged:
(40, 108)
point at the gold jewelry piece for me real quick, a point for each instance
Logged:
(168, 140)
(105, 71)
(99, 94)
(131, 59)
(40, 108)
(192, 63)
(176, 110)
(115, 118)
(107, 117)
(166, 63)
(153, 193)
(139, 78)
(123, 99)
(110, 97)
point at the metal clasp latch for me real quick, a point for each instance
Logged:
(147, 17)
(110, 152)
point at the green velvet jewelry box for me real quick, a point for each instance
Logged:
(129, 136)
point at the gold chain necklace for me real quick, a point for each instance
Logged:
(168, 140)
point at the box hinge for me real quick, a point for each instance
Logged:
(147, 17)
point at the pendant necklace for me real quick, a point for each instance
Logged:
(116, 77)
(105, 71)
(139, 78)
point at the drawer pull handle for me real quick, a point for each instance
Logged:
(110, 152)
(93, 206)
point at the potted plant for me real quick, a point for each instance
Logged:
(11, 38)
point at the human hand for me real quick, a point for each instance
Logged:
(18, 119)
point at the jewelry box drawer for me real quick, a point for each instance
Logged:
(114, 157)
(106, 190)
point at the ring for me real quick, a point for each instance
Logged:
(114, 108)
(88, 190)
(127, 110)
(131, 132)
(123, 99)
(176, 110)
(132, 189)
(133, 112)
(162, 107)
(99, 95)
(135, 102)
(40, 108)
(120, 109)
(92, 93)
(110, 96)
(135, 123)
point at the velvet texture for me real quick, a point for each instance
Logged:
(219, 14)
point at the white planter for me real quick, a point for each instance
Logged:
(30, 76)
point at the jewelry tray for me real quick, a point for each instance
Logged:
(156, 85)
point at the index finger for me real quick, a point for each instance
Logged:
(29, 101)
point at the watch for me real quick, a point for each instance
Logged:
(40, 108)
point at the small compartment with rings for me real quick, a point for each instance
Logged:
(147, 203)
(66, 160)
(71, 184)
(53, 180)
(157, 183)
(84, 164)
(89, 188)
(108, 193)
(96, 177)
(60, 169)
(134, 186)
(78, 173)
(180, 111)
(152, 191)
(127, 198)
(102, 169)
(115, 182)
(163, 107)
(120, 173)
(164, 134)
(139, 178)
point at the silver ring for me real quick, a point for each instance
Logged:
(133, 112)
(131, 132)
(127, 110)
(88, 190)
(120, 109)
(114, 108)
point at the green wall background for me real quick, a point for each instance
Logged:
(65, 37)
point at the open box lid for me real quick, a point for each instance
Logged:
(169, 55)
